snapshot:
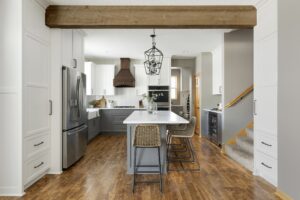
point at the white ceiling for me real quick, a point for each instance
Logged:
(116, 43)
(153, 2)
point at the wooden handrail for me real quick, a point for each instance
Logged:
(240, 97)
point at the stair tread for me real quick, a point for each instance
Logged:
(240, 151)
(240, 156)
(250, 132)
(246, 139)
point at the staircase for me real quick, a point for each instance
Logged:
(240, 148)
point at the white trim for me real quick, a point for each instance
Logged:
(10, 192)
(55, 172)
(42, 3)
(8, 90)
(37, 131)
(36, 85)
(265, 37)
(261, 3)
(36, 38)
(81, 32)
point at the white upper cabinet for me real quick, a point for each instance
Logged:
(78, 49)
(66, 45)
(89, 68)
(164, 77)
(141, 80)
(99, 79)
(217, 67)
(72, 49)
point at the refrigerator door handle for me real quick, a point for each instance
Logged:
(77, 96)
(76, 130)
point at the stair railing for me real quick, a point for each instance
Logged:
(240, 97)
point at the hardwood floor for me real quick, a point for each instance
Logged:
(101, 174)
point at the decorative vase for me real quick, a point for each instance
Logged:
(151, 107)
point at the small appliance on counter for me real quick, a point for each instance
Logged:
(74, 123)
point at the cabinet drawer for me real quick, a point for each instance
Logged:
(266, 144)
(35, 144)
(266, 167)
(36, 166)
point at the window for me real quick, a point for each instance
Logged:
(174, 88)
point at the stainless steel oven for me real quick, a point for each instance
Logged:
(162, 94)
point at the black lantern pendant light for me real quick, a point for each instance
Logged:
(153, 58)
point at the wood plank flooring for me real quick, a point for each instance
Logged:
(101, 174)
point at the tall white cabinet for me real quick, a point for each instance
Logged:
(265, 92)
(25, 93)
(36, 93)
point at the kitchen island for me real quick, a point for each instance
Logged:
(149, 156)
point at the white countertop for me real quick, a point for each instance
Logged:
(161, 117)
(210, 110)
(113, 108)
(94, 112)
(135, 108)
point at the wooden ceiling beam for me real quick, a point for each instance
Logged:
(151, 16)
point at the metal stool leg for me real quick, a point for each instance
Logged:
(134, 169)
(160, 173)
(169, 140)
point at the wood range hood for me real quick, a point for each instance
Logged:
(124, 77)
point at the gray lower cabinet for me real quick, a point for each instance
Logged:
(112, 120)
(94, 127)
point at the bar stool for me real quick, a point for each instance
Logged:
(146, 136)
(184, 134)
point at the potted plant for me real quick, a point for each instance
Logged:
(151, 105)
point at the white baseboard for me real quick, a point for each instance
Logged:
(55, 172)
(11, 192)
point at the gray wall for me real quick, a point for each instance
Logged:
(288, 98)
(207, 99)
(238, 76)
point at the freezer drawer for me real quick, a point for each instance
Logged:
(74, 145)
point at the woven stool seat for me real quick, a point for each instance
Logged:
(147, 136)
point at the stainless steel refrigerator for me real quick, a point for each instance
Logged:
(75, 130)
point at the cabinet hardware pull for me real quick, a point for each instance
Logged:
(75, 63)
(37, 166)
(267, 166)
(38, 144)
(269, 145)
(50, 104)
